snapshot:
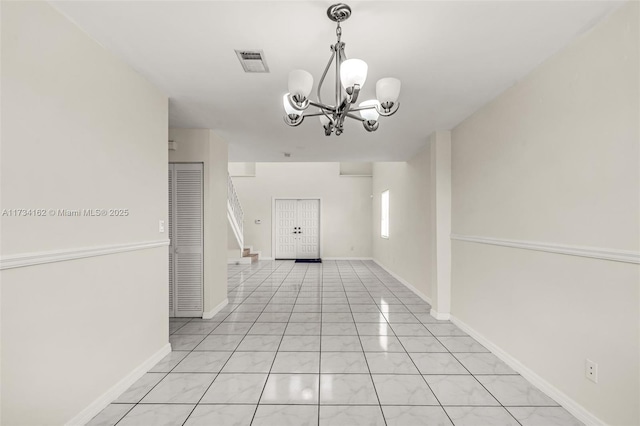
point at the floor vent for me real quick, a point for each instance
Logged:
(252, 60)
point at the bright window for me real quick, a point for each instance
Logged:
(384, 215)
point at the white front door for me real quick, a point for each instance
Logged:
(286, 219)
(297, 229)
(307, 236)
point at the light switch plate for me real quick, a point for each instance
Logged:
(161, 226)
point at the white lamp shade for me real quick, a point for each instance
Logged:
(388, 90)
(287, 106)
(300, 83)
(369, 114)
(324, 120)
(352, 72)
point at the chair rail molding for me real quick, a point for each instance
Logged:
(601, 253)
(39, 258)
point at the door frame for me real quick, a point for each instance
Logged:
(273, 222)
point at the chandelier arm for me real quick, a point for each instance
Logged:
(338, 89)
(324, 74)
(355, 117)
(315, 114)
(362, 108)
(340, 57)
(322, 106)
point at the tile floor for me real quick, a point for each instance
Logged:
(338, 343)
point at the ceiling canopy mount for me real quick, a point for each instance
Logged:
(339, 12)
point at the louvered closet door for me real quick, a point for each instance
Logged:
(171, 241)
(188, 240)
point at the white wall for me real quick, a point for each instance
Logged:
(345, 211)
(204, 146)
(555, 159)
(79, 130)
(409, 250)
(242, 169)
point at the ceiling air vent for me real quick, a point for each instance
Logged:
(252, 60)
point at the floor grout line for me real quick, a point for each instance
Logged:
(281, 287)
(276, 354)
(232, 352)
(414, 364)
(366, 360)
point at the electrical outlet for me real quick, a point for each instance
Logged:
(591, 371)
(161, 226)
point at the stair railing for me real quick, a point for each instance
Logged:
(236, 208)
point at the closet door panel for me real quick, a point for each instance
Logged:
(188, 247)
(171, 242)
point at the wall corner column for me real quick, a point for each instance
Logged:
(215, 290)
(440, 196)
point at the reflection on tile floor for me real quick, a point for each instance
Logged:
(338, 343)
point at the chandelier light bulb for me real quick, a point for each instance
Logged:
(388, 90)
(352, 72)
(370, 114)
(290, 110)
(300, 84)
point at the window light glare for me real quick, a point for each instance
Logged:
(384, 214)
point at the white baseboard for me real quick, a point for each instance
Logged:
(406, 284)
(211, 313)
(265, 258)
(116, 390)
(560, 397)
(441, 316)
(347, 258)
(239, 261)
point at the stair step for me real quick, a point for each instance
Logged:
(246, 252)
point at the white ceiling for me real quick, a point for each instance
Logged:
(452, 57)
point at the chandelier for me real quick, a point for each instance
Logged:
(350, 75)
